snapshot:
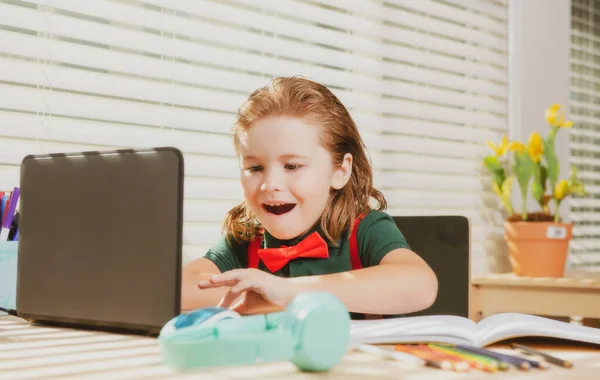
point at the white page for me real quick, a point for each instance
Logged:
(434, 328)
(508, 325)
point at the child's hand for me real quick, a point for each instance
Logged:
(253, 303)
(260, 291)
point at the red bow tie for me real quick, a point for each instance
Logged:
(312, 246)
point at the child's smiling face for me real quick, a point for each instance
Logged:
(286, 174)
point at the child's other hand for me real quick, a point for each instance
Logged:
(251, 291)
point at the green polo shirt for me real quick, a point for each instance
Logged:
(377, 235)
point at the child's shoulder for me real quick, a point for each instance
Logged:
(374, 217)
(380, 225)
(228, 244)
(228, 253)
(378, 235)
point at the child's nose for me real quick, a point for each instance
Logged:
(272, 182)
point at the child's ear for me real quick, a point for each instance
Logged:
(342, 173)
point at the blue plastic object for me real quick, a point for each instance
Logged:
(199, 316)
(313, 332)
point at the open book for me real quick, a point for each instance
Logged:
(458, 330)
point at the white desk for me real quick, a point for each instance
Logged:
(37, 352)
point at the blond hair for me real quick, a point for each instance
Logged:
(315, 103)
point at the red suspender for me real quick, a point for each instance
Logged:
(253, 252)
(253, 258)
(354, 257)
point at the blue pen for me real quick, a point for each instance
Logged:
(10, 213)
(16, 237)
(4, 201)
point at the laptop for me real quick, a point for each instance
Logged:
(100, 239)
(444, 243)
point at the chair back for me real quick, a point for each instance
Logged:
(444, 243)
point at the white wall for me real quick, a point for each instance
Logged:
(539, 51)
(539, 73)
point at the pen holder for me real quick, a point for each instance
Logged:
(8, 274)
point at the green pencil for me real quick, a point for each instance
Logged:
(487, 361)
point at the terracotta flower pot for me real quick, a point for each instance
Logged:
(538, 249)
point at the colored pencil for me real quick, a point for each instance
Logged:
(512, 360)
(549, 358)
(4, 212)
(1, 206)
(458, 364)
(432, 359)
(390, 354)
(522, 363)
(476, 361)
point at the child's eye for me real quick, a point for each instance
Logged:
(255, 168)
(292, 166)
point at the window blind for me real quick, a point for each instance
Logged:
(426, 82)
(585, 134)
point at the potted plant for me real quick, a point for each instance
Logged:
(538, 240)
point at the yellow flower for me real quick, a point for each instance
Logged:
(535, 147)
(564, 124)
(567, 124)
(552, 117)
(516, 146)
(562, 189)
(501, 149)
(552, 114)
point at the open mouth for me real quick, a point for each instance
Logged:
(278, 208)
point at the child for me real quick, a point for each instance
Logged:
(306, 180)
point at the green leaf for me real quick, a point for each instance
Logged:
(538, 186)
(552, 162)
(506, 189)
(552, 135)
(523, 168)
(576, 187)
(504, 193)
(496, 168)
(544, 176)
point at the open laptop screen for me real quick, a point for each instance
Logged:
(100, 238)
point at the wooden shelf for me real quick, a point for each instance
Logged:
(574, 296)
